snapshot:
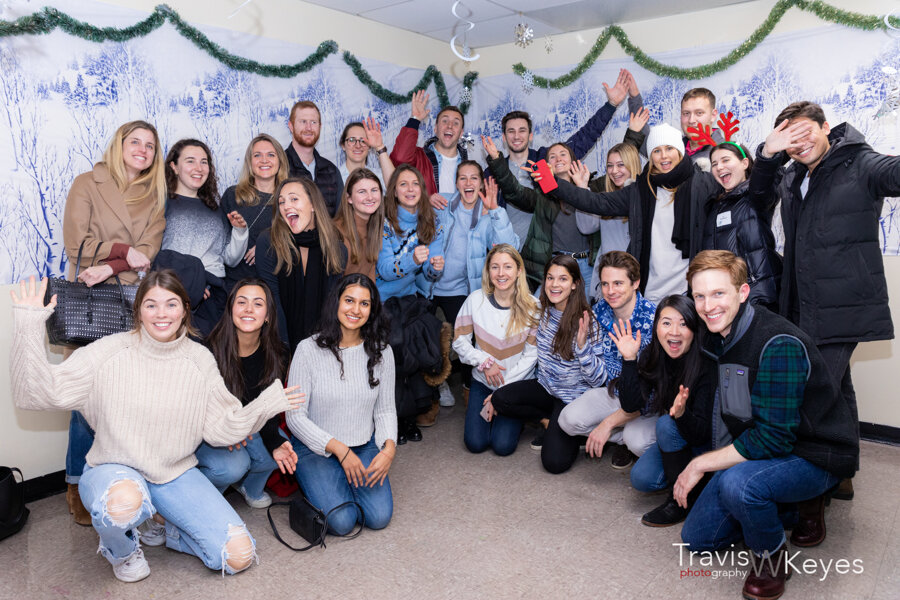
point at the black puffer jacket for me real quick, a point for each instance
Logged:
(735, 223)
(833, 284)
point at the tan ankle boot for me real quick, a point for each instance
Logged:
(73, 498)
(428, 419)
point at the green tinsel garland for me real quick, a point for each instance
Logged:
(48, 19)
(823, 10)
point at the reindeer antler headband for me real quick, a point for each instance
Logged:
(729, 126)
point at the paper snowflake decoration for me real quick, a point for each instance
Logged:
(548, 44)
(527, 82)
(891, 104)
(465, 96)
(524, 35)
(468, 139)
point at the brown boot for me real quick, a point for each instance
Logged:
(810, 529)
(844, 490)
(765, 580)
(428, 419)
(73, 498)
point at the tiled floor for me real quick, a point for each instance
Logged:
(475, 526)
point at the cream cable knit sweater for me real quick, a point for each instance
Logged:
(149, 403)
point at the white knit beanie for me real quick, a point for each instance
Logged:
(664, 135)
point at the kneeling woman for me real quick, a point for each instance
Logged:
(346, 434)
(570, 362)
(151, 395)
(502, 317)
(250, 357)
(672, 379)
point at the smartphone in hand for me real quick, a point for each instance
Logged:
(548, 181)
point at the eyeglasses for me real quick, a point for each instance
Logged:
(356, 141)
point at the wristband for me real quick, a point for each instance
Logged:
(487, 364)
(381, 150)
(345, 456)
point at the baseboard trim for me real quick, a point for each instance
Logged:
(45, 486)
(884, 434)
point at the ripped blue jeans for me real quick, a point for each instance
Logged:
(199, 520)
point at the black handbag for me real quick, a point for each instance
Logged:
(13, 512)
(85, 314)
(310, 522)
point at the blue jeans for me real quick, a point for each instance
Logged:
(325, 485)
(81, 438)
(501, 434)
(199, 520)
(647, 474)
(742, 502)
(248, 466)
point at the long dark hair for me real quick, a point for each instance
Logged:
(575, 307)
(209, 191)
(661, 375)
(223, 342)
(374, 331)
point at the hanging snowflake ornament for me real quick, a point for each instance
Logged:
(548, 44)
(891, 103)
(524, 35)
(465, 96)
(528, 82)
(468, 139)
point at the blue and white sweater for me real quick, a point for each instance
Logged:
(568, 379)
(396, 273)
(641, 320)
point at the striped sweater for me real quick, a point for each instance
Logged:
(481, 317)
(568, 379)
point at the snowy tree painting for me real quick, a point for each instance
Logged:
(62, 99)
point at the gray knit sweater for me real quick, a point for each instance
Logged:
(150, 403)
(346, 409)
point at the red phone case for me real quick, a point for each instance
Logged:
(547, 182)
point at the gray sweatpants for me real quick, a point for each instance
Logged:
(583, 414)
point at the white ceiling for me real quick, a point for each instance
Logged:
(495, 19)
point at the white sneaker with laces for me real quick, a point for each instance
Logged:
(263, 501)
(447, 399)
(133, 569)
(152, 533)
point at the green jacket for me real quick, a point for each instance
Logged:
(538, 246)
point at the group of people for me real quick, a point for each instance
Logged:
(643, 311)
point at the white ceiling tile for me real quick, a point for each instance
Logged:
(525, 6)
(354, 7)
(493, 32)
(429, 15)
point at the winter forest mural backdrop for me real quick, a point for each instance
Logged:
(61, 99)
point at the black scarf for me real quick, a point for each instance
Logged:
(681, 231)
(302, 294)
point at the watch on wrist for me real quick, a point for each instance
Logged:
(381, 150)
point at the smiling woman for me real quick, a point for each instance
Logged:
(114, 220)
(301, 257)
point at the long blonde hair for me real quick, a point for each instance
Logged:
(154, 176)
(346, 219)
(524, 309)
(286, 251)
(630, 157)
(245, 193)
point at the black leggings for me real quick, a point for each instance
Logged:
(529, 401)
(451, 305)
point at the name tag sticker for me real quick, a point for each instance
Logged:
(723, 219)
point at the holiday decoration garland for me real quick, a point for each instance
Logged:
(822, 10)
(48, 19)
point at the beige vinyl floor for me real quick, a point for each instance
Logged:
(475, 526)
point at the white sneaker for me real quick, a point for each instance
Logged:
(447, 399)
(262, 502)
(133, 569)
(152, 533)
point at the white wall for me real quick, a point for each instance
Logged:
(36, 442)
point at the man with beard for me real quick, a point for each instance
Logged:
(304, 160)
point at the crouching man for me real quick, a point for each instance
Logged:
(782, 432)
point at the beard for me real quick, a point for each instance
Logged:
(305, 143)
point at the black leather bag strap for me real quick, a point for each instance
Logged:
(275, 529)
(349, 536)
